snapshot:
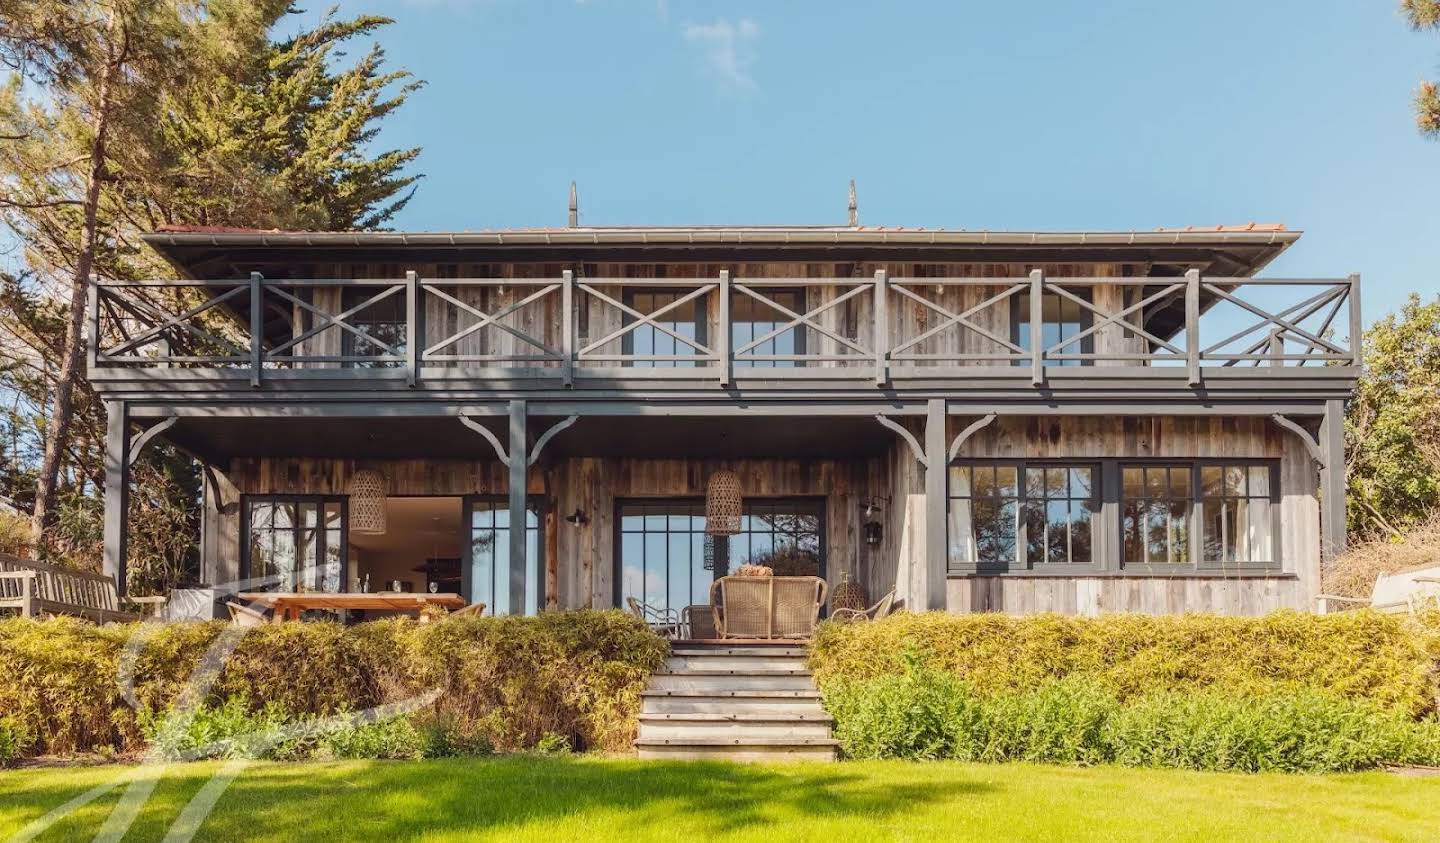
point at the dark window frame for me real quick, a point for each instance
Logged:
(246, 500)
(1021, 316)
(721, 548)
(798, 330)
(533, 503)
(1098, 540)
(701, 322)
(1107, 540)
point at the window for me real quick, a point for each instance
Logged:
(687, 320)
(487, 555)
(1236, 511)
(1156, 510)
(1061, 319)
(752, 319)
(1022, 514)
(384, 320)
(664, 558)
(294, 542)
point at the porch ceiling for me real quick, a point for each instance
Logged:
(218, 439)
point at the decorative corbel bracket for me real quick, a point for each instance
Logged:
(909, 437)
(547, 436)
(1304, 436)
(969, 431)
(141, 439)
(489, 437)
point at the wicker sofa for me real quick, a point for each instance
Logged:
(766, 607)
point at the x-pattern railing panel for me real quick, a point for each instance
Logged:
(750, 351)
(1270, 335)
(325, 320)
(162, 338)
(591, 351)
(963, 321)
(496, 320)
(1101, 318)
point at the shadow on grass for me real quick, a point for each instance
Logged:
(398, 800)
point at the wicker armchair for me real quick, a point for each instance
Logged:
(665, 622)
(881, 609)
(766, 607)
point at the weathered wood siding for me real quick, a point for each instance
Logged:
(1064, 437)
(596, 319)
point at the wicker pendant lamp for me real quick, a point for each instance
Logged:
(367, 502)
(722, 504)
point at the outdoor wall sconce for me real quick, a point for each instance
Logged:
(874, 533)
(872, 530)
(577, 518)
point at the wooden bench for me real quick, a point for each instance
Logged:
(36, 590)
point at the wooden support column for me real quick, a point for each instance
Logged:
(935, 505)
(1192, 327)
(1332, 479)
(1037, 324)
(117, 491)
(519, 456)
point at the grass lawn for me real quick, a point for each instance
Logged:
(547, 799)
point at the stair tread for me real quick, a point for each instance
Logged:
(745, 652)
(793, 693)
(746, 671)
(719, 717)
(740, 741)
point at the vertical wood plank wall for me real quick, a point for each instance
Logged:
(584, 566)
(596, 319)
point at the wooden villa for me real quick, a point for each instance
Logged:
(1077, 422)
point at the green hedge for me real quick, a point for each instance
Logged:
(506, 683)
(1390, 661)
(928, 714)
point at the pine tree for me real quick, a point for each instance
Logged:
(1425, 14)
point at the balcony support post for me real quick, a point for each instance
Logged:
(722, 340)
(567, 328)
(519, 463)
(1332, 479)
(1192, 326)
(117, 492)
(412, 327)
(1357, 325)
(1037, 334)
(257, 328)
(882, 328)
(936, 469)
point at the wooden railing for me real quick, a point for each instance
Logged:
(879, 328)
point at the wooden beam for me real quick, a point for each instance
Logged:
(141, 439)
(936, 550)
(257, 329)
(547, 436)
(412, 327)
(1192, 327)
(1305, 438)
(969, 431)
(909, 437)
(882, 328)
(518, 534)
(117, 493)
(1037, 334)
(1332, 480)
(722, 340)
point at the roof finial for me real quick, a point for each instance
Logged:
(854, 207)
(574, 207)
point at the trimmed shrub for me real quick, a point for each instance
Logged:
(927, 714)
(12, 739)
(504, 683)
(1391, 661)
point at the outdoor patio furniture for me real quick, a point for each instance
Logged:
(699, 621)
(245, 616)
(1397, 593)
(881, 609)
(37, 589)
(288, 605)
(665, 622)
(766, 607)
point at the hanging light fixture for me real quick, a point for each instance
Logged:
(722, 504)
(367, 502)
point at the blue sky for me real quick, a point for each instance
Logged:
(1044, 115)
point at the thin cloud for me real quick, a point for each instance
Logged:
(728, 48)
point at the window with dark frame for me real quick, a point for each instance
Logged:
(295, 541)
(687, 320)
(1022, 514)
(384, 320)
(1162, 516)
(488, 555)
(1061, 319)
(752, 319)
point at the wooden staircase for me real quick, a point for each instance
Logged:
(739, 702)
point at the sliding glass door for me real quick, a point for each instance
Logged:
(663, 557)
(294, 543)
(485, 571)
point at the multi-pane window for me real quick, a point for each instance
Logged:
(686, 321)
(1061, 319)
(665, 560)
(295, 543)
(1156, 506)
(1022, 515)
(384, 321)
(753, 319)
(1235, 501)
(489, 557)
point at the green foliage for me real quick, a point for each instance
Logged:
(1389, 660)
(1425, 14)
(504, 683)
(926, 714)
(13, 739)
(1393, 423)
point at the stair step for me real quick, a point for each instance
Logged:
(692, 650)
(738, 731)
(797, 693)
(735, 664)
(744, 754)
(722, 681)
(737, 742)
(738, 671)
(738, 717)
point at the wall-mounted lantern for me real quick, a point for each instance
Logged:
(578, 518)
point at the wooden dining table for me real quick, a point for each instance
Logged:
(288, 605)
